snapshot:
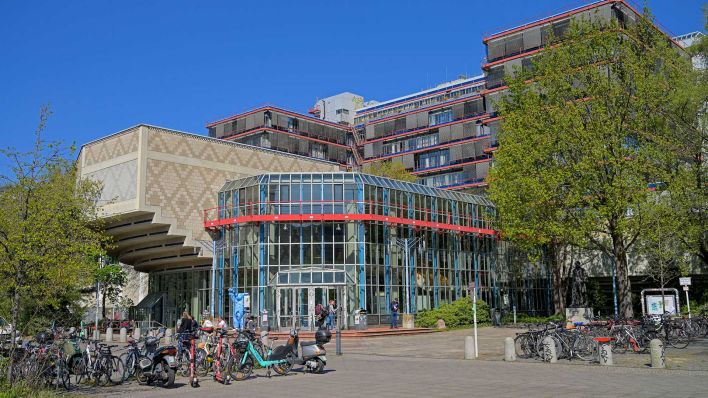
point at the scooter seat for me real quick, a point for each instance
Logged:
(306, 343)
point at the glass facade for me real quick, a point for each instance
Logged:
(275, 224)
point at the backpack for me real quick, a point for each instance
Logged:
(318, 309)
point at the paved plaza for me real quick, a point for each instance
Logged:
(432, 366)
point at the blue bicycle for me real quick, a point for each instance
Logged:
(251, 352)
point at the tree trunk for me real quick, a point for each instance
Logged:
(624, 287)
(559, 281)
(103, 309)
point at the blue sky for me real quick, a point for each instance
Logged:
(105, 66)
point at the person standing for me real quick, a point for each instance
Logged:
(331, 312)
(394, 314)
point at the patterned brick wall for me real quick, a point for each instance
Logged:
(183, 188)
(117, 145)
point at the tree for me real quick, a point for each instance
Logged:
(49, 235)
(602, 113)
(112, 279)
(390, 169)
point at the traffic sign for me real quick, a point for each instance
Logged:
(685, 281)
(685, 288)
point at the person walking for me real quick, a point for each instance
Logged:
(394, 314)
(331, 312)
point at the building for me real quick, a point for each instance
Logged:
(338, 108)
(289, 132)
(437, 134)
(294, 240)
(156, 182)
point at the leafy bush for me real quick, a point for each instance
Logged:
(456, 314)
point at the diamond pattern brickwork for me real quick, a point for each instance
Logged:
(117, 145)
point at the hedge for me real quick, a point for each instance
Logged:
(456, 314)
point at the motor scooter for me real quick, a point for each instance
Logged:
(311, 354)
(157, 363)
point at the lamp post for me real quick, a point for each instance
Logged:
(407, 244)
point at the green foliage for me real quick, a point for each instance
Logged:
(586, 129)
(456, 314)
(390, 169)
(112, 278)
(50, 235)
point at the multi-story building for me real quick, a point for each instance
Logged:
(437, 134)
(286, 131)
(513, 49)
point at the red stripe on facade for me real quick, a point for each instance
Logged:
(477, 83)
(433, 107)
(259, 129)
(441, 146)
(450, 166)
(547, 20)
(422, 130)
(346, 217)
(283, 111)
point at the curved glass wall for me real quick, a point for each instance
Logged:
(275, 224)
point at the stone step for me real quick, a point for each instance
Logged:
(358, 334)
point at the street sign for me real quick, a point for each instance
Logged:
(685, 288)
(685, 281)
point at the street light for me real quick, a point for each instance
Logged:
(407, 244)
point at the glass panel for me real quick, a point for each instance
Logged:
(328, 277)
(316, 277)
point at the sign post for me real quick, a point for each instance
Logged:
(686, 282)
(473, 290)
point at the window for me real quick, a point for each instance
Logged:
(440, 117)
(292, 124)
(342, 111)
(267, 119)
(432, 159)
(318, 150)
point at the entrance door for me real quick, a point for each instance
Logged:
(295, 306)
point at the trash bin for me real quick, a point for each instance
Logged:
(360, 321)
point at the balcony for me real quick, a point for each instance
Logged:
(455, 163)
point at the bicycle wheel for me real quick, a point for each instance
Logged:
(184, 361)
(678, 338)
(130, 360)
(63, 374)
(202, 366)
(584, 347)
(240, 371)
(522, 346)
(284, 368)
(117, 370)
(78, 368)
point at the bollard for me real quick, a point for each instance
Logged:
(338, 341)
(168, 336)
(549, 350)
(469, 347)
(109, 335)
(136, 334)
(96, 334)
(509, 350)
(123, 335)
(606, 355)
(656, 348)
